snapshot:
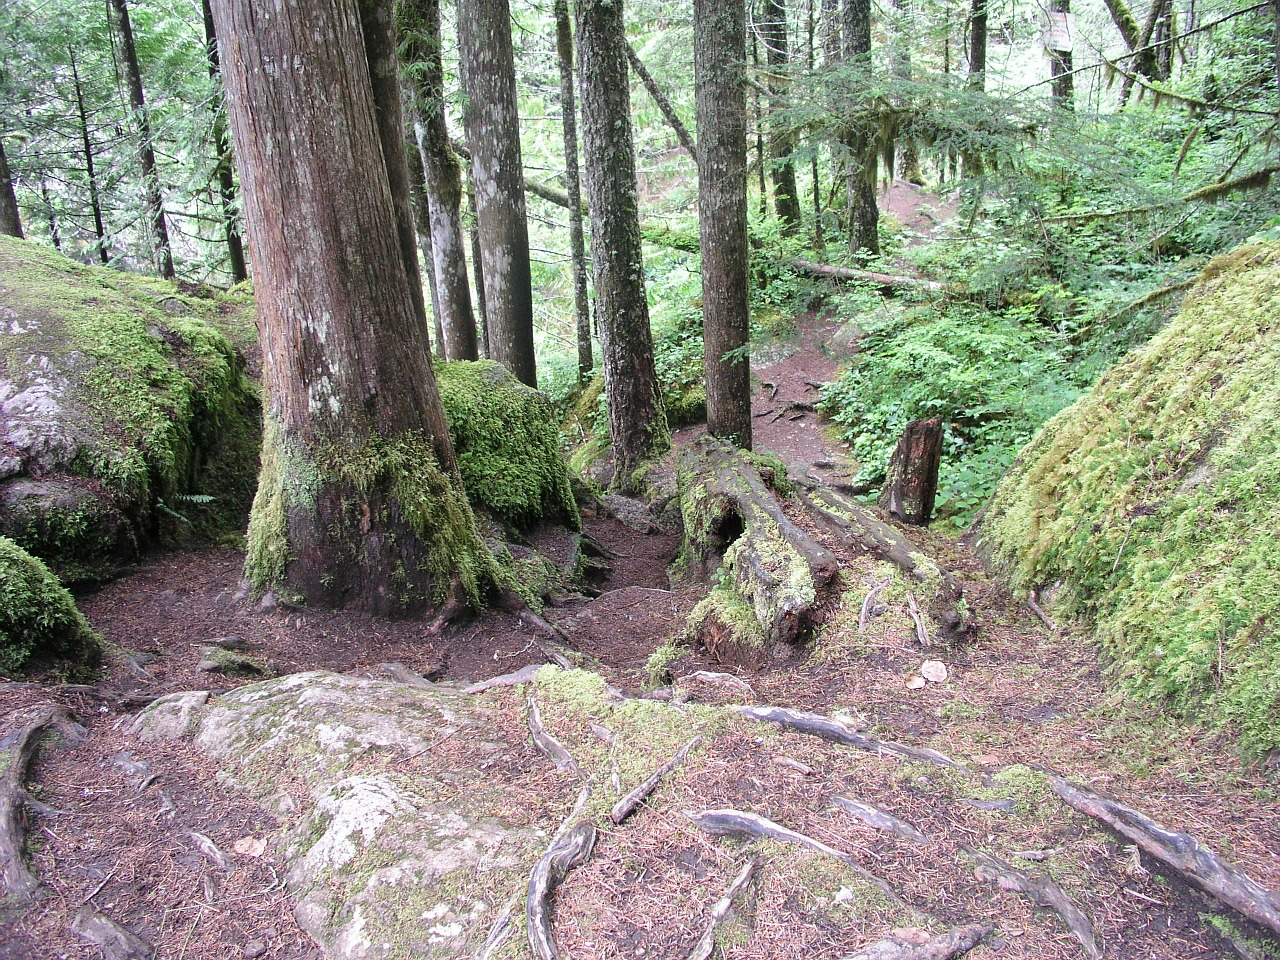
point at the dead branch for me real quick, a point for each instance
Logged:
(548, 745)
(922, 635)
(720, 912)
(627, 805)
(115, 941)
(567, 852)
(663, 103)
(523, 675)
(953, 943)
(865, 614)
(1040, 889)
(880, 819)
(1179, 851)
(1035, 608)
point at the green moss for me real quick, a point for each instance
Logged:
(39, 622)
(658, 666)
(1028, 789)
(725, 607)
(507, 444)
(1155, 503)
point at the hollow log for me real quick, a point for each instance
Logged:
(912, 483)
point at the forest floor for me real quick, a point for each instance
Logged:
(117, 817)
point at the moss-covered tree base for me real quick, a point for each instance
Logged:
(40, 626)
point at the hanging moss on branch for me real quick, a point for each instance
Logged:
(39, 623)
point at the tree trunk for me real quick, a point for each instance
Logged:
(477, 271)
(577, 246)
(422, 222)
(637, 425)
(663, 103)
(493, 133)
(10, 221)
(55, 235)
(420, 26)
(223, 170)
(864, 214)
(912, 482)
(150, 173)
(978, 46)
(719, 54)
(815, 177)
(1060, 65)
(773, 31)
(903, 36)
(358, 501)
(86, 144)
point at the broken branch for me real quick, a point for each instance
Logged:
(627, 805)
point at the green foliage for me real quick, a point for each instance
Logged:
(39, 623)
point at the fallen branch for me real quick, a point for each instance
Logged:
(816, 725)
(523, 675)
(1179, 851)
(884, 281)
(1040, 889)
(664, 105)
(953, 943)
(879, 819)
(865, 614)
(719, 913)
(922, 635)
(627, 805)
(1035, 608)
(115, 942)
(567, 852)
(548, 745)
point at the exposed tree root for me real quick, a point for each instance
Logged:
(879, 819)
(868, 605)
(16, 750)
(115, 941)
(721, 911)
(816, 725)
(523, 675)
(548, 745)
(1179, 851)
(567, 852)
(953, 943)
(1040, 889)
(627, 805)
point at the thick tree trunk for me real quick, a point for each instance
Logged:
(420, 26)
(358, 501)
(912, 482)
(223, 171)
(493, 133)
(10, 221)
(786, 200)
(664, 104)
(637, 425)
(147, 153)
(577, 246)
(978, 46)
(1060, 65)
(864, 214)
(719, 51)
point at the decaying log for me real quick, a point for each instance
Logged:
(886, 282)
(16, 751)
(911, 484)
(720, 912)
(778, 570)
(953, 943)
(1042, 890)
(567, 852)
(739, 823)
(548, 745)
(1179, 851)
(880, 819)
(857, 527)
(115, 942)
(816, 725)
(627, 805)
(523, 675)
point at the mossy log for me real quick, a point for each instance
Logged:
(912, 483)
(732, 521)
(859, 528)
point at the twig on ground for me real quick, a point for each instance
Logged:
(922, 635)
(627, 805)
(721, 911)
(1034, 606)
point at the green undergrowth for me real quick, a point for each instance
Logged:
(1151, 508)
(39, 623)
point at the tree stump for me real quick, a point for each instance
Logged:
(912, 484)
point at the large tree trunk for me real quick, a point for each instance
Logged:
(637, 425)
(786, 200)
(86, 144)
(150, 174)
(1060, 64)
(420, 26)
(573, 193)
(493, 133)
(10, 221)
(223, 170)
(358, 501)
(864, 214)
(719, 54)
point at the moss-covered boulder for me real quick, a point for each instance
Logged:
(39, 623)
(506, 439)
(1150, 509)
(124, 410)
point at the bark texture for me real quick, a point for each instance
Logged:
(912, 482)
(978, 46)
(223, 170)
(864, 214)
(493, 134)
(719, 55)
(786, 199)
(573, 192)
(10, 221)
(637, 425)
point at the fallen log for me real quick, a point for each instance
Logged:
(627, 805)
(567, 852)
(884, 281)
(720, 912)
(1178, 851)
(880, 819)
(953, 943)
(1040, 889)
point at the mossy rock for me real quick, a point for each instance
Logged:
(127, 412)
(506, 440)
(1152, 506)
(39, 624)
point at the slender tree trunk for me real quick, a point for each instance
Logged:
(1275, 9)
(422, 225)
(10, 220)
(903, 37)
(420, 26)
(637, 425)
(719, 55)
(663, 102)
(819, 240)
(493, 134)
(223, 171)
(358, 502)
(485, 343)
(786, 200)
(577, 247)
(757, 113)
(86, 144)
(978, 46)
(864, 214)
(1060, 65)
(55, 234)
(147, 153)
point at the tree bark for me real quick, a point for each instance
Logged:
(719, 51)
(223, 170)
(493, 133)
(663, 102)
(10, 220)
(1060, 66)
(912, 482)
(786, 200)
(577, 246)
(864, 214)
(150, 174)
(903, 37)
(477, 272)
(358, 502)
(637, 425)
(420, 26)
(422, 220)
(978, 46)
(86, 144)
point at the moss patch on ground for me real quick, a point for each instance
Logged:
(39, 623)
(1152, 506)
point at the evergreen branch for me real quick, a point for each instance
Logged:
(1256, 180)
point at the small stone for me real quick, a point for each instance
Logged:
(208, 666)
(230, 642)
(254, 948)
(935, 671)
(915, 682)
